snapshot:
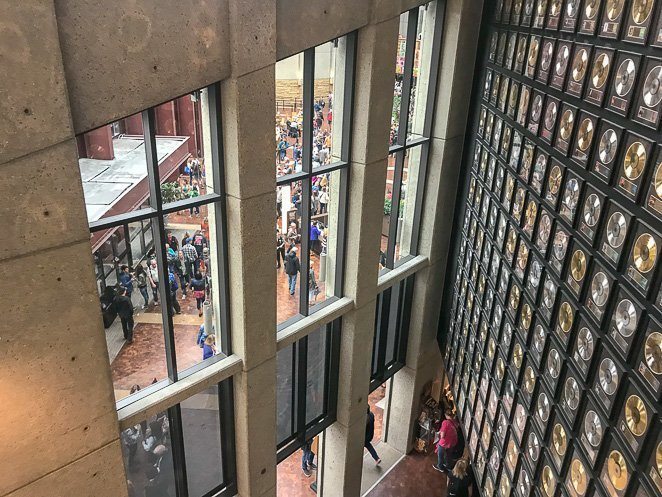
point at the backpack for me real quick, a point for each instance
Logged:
(173, 283)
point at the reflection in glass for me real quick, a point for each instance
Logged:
(408, 194)
(148, 459)
(388, 201)
(284, 394)
(421, 71)
(316, 374)
(202, 442)
(399, 77)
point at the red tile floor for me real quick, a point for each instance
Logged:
(291, 480)
(413, 475)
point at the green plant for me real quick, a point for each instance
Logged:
(387, 205)
(171, 192)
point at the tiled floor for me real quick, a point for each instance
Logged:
(413, 475)
(291, 480)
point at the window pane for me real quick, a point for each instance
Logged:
(316, 374)
(120, 265)
(329, 89)
(148, 459)
(399, 75)
(421, 74)
(288, 250)
(202, 442)
(410, 176)
(325, 199)
(289, 114)
(183, 144)
(284, 394)
(113, 167)
(388, 199)
(195, 288)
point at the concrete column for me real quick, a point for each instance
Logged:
(58, 423)
(445, 160)
(249, 144)
(343, 441)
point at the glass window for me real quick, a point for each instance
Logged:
(305, 391)
(408, 201)
(311, 169)
(415, 80)
(185, 448)
(201, 432)
(157, 244)
(113, 166)
(392, 315)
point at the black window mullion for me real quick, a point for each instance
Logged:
(332, 367)
(178, 452)
(410, 51)
(305, 246)
(384, 314)
(226, 412)
(302, 383)
(295, 389)
(158, 236)
(348, 96)
(127, 241)
(395, 208)
(220, 209)
(308, 104)
(341, 234)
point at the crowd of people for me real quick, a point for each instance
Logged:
(289, 160)
(148, 457)
(189, 272)
(289, 138)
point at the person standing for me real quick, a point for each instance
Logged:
(182, 270)
(198, 288)
(209, 348)
(280, 248)
(124, 308)
(141, 278)
(313, 288)
(369, 435)
(173, 286)
(153, 278)
(191, 255)
(450, 447)
(126, 279)
(307, 458)
(324, 200)
(314, 238)
(292, 268)
(460, 480)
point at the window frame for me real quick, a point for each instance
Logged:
(402, 145)
(302, 430)
(382, 370)
(307, 173)
(155, 215)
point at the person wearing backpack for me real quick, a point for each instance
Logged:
(292, 268)
(450, 445)
(174, 286)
